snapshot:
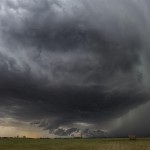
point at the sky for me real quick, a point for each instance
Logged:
(74, 67)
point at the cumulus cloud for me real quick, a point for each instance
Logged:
(63, 62)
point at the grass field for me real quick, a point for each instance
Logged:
(74, 144)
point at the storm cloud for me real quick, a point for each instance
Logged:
(66, 64)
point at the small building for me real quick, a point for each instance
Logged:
(132, 137)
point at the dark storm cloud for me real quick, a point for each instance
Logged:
(63, 63)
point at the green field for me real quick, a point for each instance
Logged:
(74, 144)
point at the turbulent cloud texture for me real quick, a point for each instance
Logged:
(73, 64)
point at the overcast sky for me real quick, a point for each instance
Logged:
(80, 64)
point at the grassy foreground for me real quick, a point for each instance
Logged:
(74, 144)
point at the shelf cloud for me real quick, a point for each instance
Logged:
(74, 65)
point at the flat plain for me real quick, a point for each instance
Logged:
(75, 144)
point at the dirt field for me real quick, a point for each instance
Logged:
(74, 144)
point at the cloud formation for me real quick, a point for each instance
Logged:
(64, 62)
